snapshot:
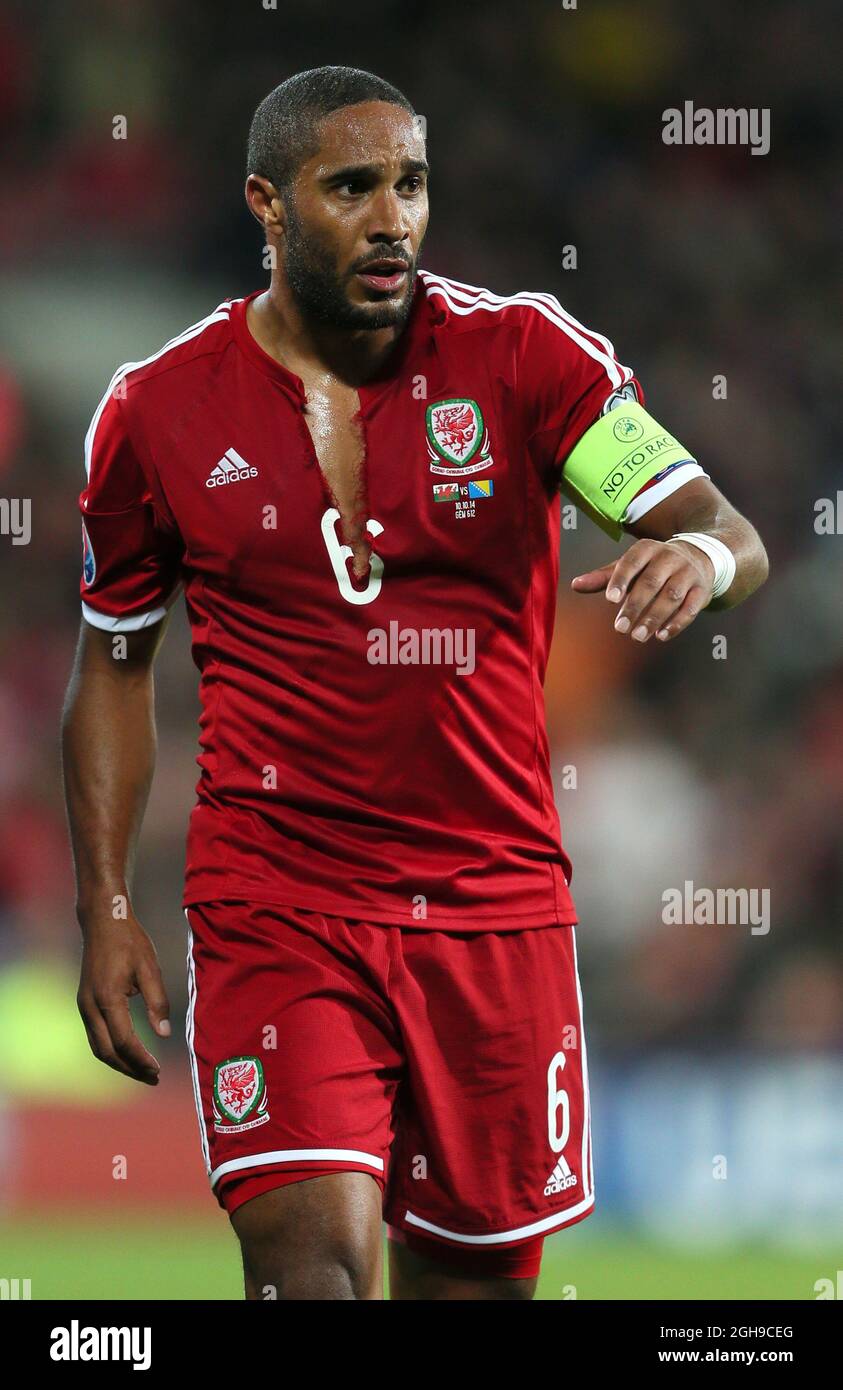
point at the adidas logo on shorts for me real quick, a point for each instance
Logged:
(560, 1179)
(230, 469)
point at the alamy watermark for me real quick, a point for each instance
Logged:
(426, 646)
(700, 125)
(16, 519)
(79, 1342)
(689, 906)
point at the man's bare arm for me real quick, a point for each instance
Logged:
(661, 584)
(108, 748)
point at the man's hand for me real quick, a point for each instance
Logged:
(660, 585)
(119, 961)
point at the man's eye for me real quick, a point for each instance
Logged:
(413, 183)
(353, 186)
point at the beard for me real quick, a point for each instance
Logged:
(319, 290)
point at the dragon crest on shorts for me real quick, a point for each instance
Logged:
(240, 1097)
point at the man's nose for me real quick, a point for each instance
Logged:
(389, 219)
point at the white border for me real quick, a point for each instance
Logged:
(536, 1228)
(587, 1156)
(189, 1032)
(651, 496)
(236, 1165)
(114, 623)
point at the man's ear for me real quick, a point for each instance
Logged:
(265, 204)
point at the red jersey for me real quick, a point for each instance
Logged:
(370, 749)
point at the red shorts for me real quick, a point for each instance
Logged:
(449, 1065)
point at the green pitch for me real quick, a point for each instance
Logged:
(159, 1256)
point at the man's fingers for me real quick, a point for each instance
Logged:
(617, 576)
(594, 580)
(634, 567)
(125, 1040)
(695, 600)
(151, 984)
(116, 966)
(642, 593)
(645, 615)
(98, 1039)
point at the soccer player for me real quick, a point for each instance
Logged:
(354, 475)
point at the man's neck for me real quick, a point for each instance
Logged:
(352, 355)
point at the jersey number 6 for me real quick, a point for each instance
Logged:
(340, 554)
(558, 1128)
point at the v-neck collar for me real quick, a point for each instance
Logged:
(424, 314)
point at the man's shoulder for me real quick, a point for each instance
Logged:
(191, 349)
(471, 308)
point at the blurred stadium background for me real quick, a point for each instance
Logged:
(707, 1043)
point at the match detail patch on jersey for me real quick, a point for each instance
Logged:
(230, 469)
(89, 564)
(464, 495)
(240, 1097)
(457, 438)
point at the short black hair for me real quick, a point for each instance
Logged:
(283, 133)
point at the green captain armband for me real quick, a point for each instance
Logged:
(614, 459)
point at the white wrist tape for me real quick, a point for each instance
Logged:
(719, 554)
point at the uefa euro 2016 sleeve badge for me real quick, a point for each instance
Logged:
(457, 438)
(89, 564)
(240, 1097)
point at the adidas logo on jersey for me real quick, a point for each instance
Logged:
(230, 469)
(560, 1179)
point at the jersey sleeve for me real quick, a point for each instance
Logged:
(568, 377)
(130, 561)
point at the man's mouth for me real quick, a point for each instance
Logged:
(386, 275)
